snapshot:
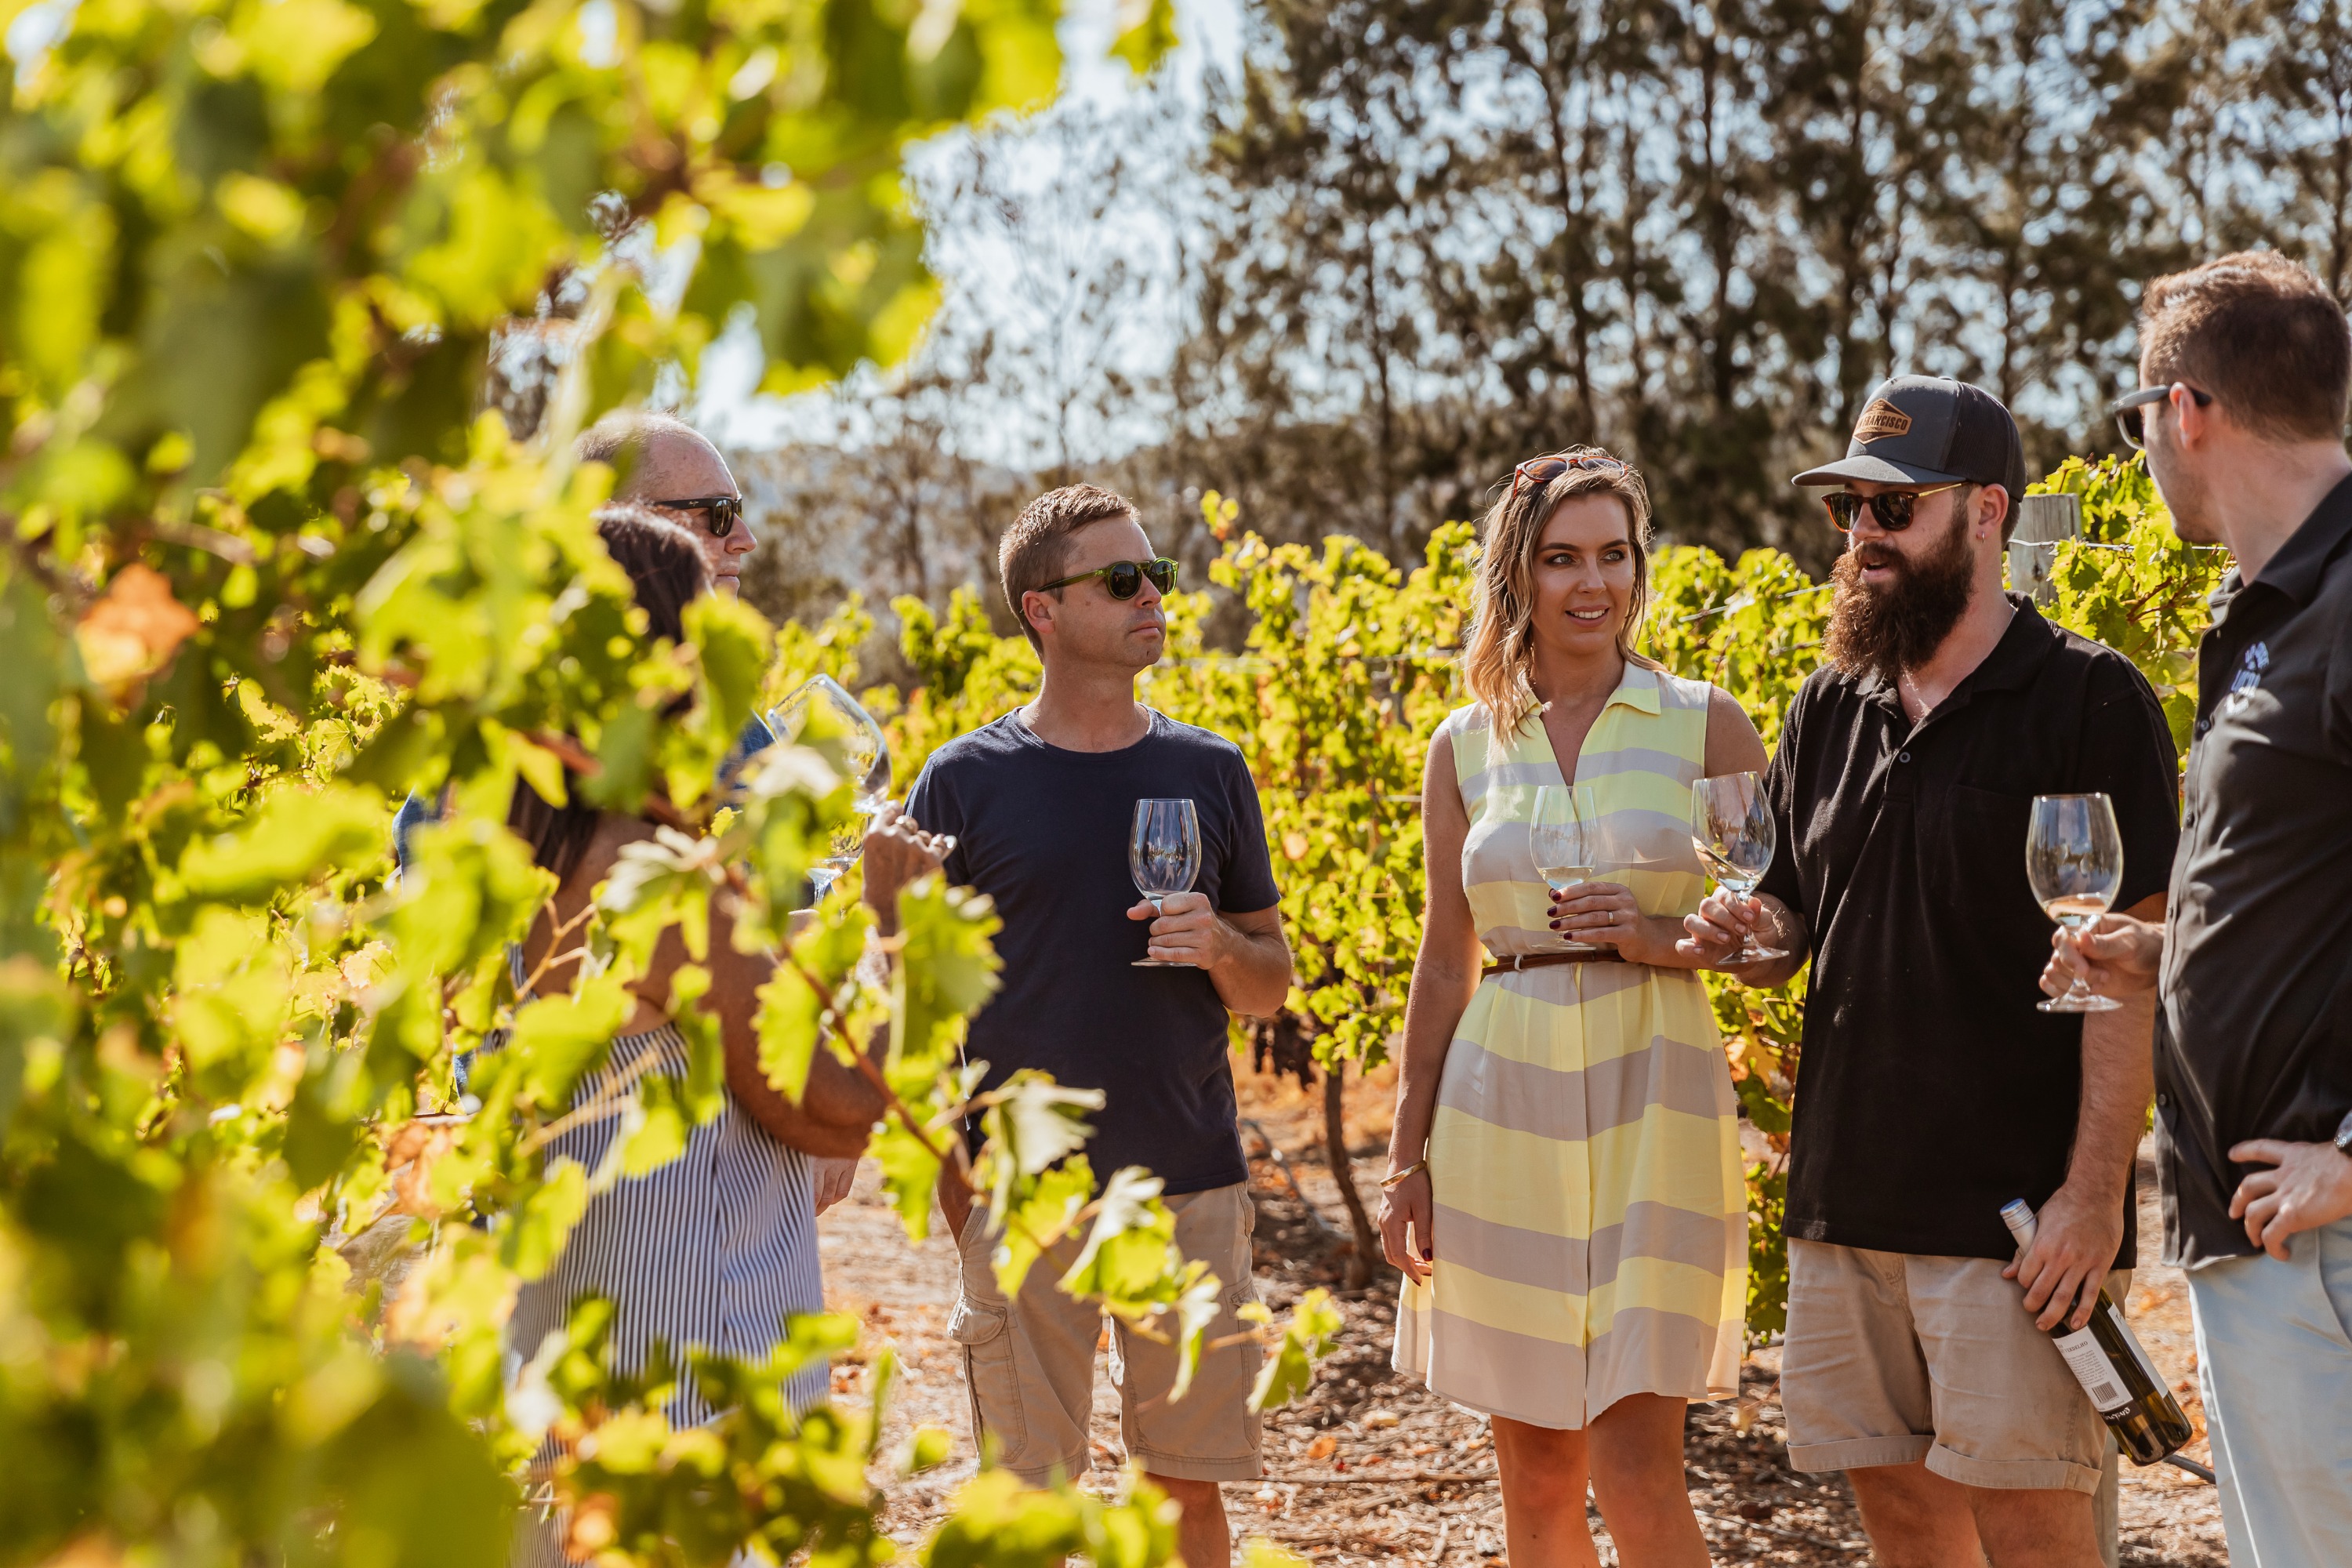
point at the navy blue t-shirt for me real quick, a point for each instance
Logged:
(1044, 832)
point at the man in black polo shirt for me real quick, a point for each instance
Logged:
(1933, 1092)
(2246, 363)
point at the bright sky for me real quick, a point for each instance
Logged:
(1209, 34)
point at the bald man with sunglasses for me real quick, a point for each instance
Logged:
(667, 465)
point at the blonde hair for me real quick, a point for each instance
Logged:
(1500, 648)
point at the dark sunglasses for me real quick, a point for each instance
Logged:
(2131, 413)
(719, 513)
(1125, 579)
(1893, 509)
(1541, 471)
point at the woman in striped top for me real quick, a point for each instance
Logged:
(717, 1246)
(1566, 1197)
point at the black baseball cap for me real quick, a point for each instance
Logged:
(1930, 430)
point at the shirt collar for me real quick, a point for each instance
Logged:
(1637, 688)
(2296, 569)
(2016, 659)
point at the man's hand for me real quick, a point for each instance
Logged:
(1185, 930)
(2118, 957)
(2311, 1187)
(897, 852)
(833, 1180)
(1722, 924)
(1408, 1203)
(2075, 1239)
(1243, 952)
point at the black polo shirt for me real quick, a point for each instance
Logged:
(1930, 1090)
(2255, 1035)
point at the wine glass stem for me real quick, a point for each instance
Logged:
(820, 878)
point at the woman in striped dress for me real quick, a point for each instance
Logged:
(713, 1248)
(1565, 1196)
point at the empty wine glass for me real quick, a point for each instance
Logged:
(1731, 827)
(1563, 834)
(1163, 855)
(865, 757)
(2074, 861)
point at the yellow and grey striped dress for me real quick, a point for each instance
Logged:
(1591, 1224)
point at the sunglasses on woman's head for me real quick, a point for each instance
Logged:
(719, 513)
(1894, 509)
(1541, 471)
(2131, 413)
(1125, 579)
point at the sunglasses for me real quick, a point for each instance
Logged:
(1125, 579)
(719, 513)
(1541, 471)
(2131, 413)
(1893, 509)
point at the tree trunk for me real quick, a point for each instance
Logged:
(1335, 1149)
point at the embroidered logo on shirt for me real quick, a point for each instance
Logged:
(2250, 667)
(1880, 419)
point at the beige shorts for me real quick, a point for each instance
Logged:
(1892, 1358)
(1030, 1365)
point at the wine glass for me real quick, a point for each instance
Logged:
(2075, 860)
(1163, 855)
(865, 756)
(1731, 827)
(1563, 834)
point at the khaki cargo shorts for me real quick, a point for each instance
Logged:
(1030, 1363)
(1892, 1358)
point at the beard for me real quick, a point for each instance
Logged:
(1898, 628)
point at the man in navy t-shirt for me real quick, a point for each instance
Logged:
(1039, 805)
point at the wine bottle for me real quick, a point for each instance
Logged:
(2106, 1358)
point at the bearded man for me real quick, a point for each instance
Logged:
(1917, 1356)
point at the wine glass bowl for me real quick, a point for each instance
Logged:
(1164, 856)
(1732, 829)
(1563, 837)
(842, 723)
(2075, 863)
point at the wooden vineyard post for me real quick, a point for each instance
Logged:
(2041, 522)
(1335, 1147)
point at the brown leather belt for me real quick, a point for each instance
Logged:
(1520, 961)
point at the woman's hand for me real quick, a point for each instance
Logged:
(1407, 1205)
(1604, 914)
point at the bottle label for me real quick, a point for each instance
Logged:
(2089, 1364)
(2139, 1351)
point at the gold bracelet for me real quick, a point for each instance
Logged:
(1389, 1180)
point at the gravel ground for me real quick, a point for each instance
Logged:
(1371, 1468)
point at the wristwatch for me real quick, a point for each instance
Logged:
(2344, 1135)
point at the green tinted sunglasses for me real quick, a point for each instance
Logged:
(1125, 579)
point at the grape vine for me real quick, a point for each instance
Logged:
(1347, 668)
(272, 559)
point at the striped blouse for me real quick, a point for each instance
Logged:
(712, 1249)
